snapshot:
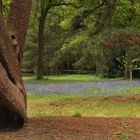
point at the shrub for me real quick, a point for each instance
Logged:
(77, 114)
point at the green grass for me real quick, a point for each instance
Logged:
(65, 79)
(122, 135)
(87, 105)
(77, 114)
(83, 104)
(118, 89)
(130, 89)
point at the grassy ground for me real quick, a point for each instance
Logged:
(83, 105)
(66, 79)
(80, 104)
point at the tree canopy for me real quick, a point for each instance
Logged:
(75, 33)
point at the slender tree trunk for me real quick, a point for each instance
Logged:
(127, 73)
(45, 7)
(1, 5)
(12, 37)
(131, 74)
(41, 43)
(127, 65)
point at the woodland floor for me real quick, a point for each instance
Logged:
(72, 128)
(80, 128)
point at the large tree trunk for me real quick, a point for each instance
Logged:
(12, 37)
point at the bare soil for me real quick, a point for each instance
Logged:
(72, 128)
(120, 98)
(79, 128)
(116, 98)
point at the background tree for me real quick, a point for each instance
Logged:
(74, 37)
(45, 6)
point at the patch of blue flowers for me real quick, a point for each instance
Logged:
(108, 87)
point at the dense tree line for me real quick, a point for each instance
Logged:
(86, 36)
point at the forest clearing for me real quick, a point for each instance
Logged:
(95, 116)
(69, 69)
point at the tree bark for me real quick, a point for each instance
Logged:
(128, 69)
(12, 37)
(1, 3)
(41, 43)
(45, 7)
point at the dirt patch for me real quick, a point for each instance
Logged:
(85, 100)
(70, 128)
(123, 98)
(74, 101)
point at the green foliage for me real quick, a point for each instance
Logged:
(122, 135)
(112, 51)
(123, 13)
(5, 6)
(77, 114)
(30, 50)
(68, 49)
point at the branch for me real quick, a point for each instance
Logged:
(49, 6)
(59, 4)
(106, 18)
(78, 19)
(87, 12)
